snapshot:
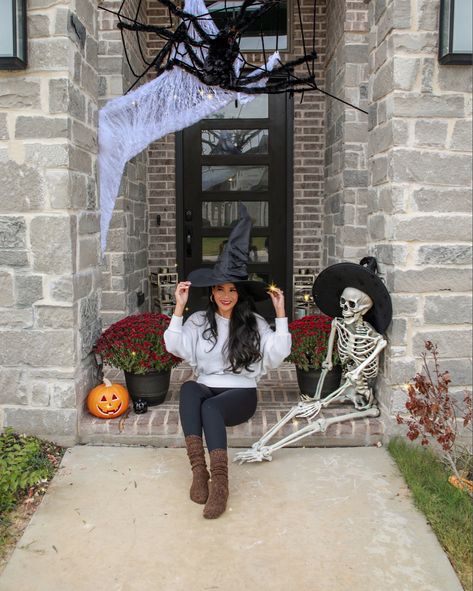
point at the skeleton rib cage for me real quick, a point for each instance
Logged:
(357, 347)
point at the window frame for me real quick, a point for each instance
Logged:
(450, 57)
(289, 22)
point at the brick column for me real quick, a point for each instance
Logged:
(125, 265)
(309, 142)
(420, 193)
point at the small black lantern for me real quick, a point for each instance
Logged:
(455, 43)
(12, 34)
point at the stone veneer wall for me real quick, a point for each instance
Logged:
(49, 229)
(420, 193)
(346, 174)
(125, 264)
(308, 164)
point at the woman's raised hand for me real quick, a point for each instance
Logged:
(277, 297)
(182, 295)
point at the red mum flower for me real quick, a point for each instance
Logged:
(310, 337)
(135, 344)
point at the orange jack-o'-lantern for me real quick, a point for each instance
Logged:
(107, 400)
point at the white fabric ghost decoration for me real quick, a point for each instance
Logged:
(171, 102)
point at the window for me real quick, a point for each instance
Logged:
(255, 109)
(235, 178)
(455, 45)
(224, 214)
(272, 25)
(220, 142)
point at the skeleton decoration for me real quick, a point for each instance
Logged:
(366, 312)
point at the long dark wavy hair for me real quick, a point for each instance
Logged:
(243, 346)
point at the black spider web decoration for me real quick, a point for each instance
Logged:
(211, 58)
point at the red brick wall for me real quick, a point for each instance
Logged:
(161, 174)
(309, 145)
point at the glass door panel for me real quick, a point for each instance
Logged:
(212, 247)
(258, 108)
(224, 214)
(234, 178)
(239, 154)
(221, 142)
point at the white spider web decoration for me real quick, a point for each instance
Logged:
(169, 103)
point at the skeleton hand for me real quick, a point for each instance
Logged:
(309, 409)
(253, 455)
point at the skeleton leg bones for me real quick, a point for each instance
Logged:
(320, 425)
(260, 451)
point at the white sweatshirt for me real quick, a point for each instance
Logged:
(209, 365)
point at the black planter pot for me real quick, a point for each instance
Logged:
(150, 387)
(308, 380)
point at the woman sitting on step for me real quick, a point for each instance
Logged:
(229, 347)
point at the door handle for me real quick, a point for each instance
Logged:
(188, 242)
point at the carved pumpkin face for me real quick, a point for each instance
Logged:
(108, 400)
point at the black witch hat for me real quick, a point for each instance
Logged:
(231, 263)
(331, 282)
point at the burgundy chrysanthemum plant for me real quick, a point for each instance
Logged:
(310, 336)
(135, 344)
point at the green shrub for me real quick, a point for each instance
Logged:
(25, 462)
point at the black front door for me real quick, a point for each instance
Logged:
(239, 154)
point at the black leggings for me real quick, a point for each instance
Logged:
(213, 409)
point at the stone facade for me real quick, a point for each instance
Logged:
(419, 222)
(395, 184)
(52, 273)
(49, 226)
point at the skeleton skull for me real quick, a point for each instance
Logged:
(354, 304)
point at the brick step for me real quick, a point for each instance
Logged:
(160, 427)
(277, 393)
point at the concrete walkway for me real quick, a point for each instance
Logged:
(320, 519)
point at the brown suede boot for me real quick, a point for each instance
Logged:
(199, 491)
(218, 485)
